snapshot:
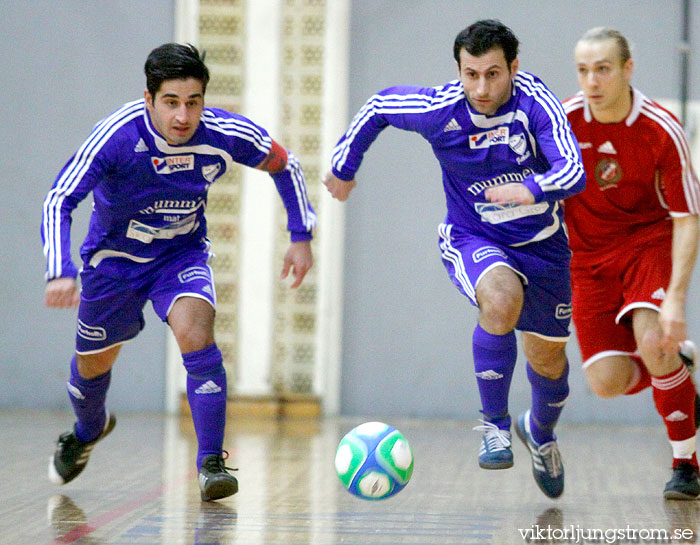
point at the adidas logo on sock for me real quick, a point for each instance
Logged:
(140, 146)
(209, 387)
(676, 416)
(77, 394)
(489, 375)
(452, 126)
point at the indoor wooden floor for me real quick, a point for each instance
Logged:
(140, 488)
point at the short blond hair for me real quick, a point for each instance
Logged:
(601, 33)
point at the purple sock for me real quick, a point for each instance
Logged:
(494, 361)
(548, 398)
(88, 399)
(206, 392)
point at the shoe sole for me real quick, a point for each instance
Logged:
(678, 495)
(502, 465)
(219, 490)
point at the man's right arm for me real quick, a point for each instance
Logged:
(75, 181)
(405, 107)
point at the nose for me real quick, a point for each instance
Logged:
(181, 114)
(482, 88)
(591, 79)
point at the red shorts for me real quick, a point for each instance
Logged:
(604, 295)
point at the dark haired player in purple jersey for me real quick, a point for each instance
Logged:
(508, 157)
(149, 166)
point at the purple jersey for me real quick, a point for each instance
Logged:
(527, 140)
(150, 196)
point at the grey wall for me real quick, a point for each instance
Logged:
(407, 331)
(65, 66)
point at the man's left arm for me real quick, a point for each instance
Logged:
(686, 235)
(288, 176)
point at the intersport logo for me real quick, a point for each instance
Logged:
(173, 163)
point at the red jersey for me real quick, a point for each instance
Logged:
(639, 175)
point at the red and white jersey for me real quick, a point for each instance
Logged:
(639, 176)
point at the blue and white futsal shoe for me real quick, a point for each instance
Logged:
(495, 451)
(547, 467)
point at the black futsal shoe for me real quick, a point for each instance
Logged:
(72, 454)
(215, 481)
(684, 484)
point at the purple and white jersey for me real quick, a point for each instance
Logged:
(150, 196)
(527, 140)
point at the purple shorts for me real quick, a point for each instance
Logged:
(111, 309)
(542, 266)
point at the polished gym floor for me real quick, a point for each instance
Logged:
(140, 488)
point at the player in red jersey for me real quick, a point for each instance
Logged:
(634, 235)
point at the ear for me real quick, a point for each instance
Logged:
(148, 97)
(514, 66)
(627, 69)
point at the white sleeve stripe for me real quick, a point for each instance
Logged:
(572, 172)
(691, 188)
(308, 218)
(260, 142)
(392, 104)
(71, 178)
(234, 126)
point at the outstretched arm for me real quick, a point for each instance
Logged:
(291, 186)
(686, 235)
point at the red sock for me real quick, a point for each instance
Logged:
(642, 378)
(674, 396)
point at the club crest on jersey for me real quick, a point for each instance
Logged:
(517, 143)
(608, 173)
(173, 163)
(489, 138)
(210, 172)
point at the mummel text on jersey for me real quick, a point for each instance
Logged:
(150, 196)
(527, 140)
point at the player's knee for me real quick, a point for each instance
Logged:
(650, 347)
(94, 365)
(605, 385)
(500, 312)
(193, 333)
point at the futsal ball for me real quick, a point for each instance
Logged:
(374, 461)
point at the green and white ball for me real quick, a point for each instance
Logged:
(374, 461)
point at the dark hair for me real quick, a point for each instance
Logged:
(174, 61)
(483, 36)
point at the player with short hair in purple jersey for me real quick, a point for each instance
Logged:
(149, 166)
(508, 157)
